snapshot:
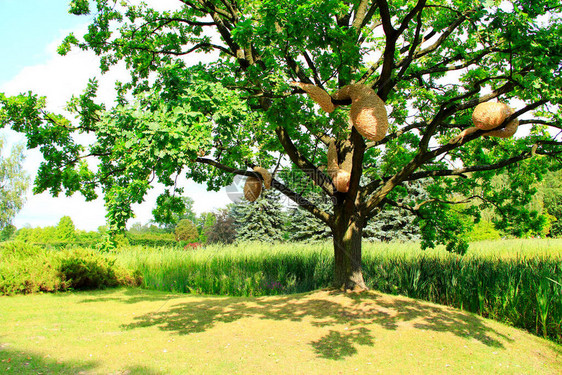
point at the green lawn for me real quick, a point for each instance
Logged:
(134, 331)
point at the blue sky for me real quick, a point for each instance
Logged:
(30, 31)
(27, 27)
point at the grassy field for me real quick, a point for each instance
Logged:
(134, 331)
(518, 282)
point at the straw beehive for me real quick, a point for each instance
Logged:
(340, 177)
(341, 180)
(367, 114)
(265, 175)
(252, 188)
(318, 95)
(332, 156)
(488, 116)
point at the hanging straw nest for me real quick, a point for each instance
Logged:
(252, 188)
(265, 175)
(367, 112)
(341, 180)
(340, 177)
(488, 116)
(318, 95)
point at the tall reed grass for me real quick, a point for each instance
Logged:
(518, 282)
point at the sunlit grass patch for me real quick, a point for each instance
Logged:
(148, 332)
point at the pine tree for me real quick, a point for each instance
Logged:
(262, 220)
(397, 224)
(303, 226)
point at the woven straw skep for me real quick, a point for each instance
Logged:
(317, 94)
(252, 188)
(340, 177)
(341, 180)
(332, 156)
(265, 175)
(506, 132)
(488, 116)
(367, 113)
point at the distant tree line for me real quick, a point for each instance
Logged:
(269, 220)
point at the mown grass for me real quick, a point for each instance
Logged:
(518, 282)
(133, 331)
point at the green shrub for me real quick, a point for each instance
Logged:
(482, 231)
(26, 268)
(152, 239)
(87, 269)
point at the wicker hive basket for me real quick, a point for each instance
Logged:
(318, 95)
(340, 177)
(332, 156)
(265, 175)
(367, 113)
(341, 180)
(252, 188)
(506, 132)
(490, 115)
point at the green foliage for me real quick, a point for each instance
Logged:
(151, 239)
(65, 230)
(61, 236)
(483, 231)
(301, 225)
(83, 269)
(7, 232)
(430, 63)
(223, 231)
(170, 210)
(551, 190)
(26, 268)
(205, 222)
(13, 183)
(186, 231)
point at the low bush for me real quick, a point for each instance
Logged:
(84, 269)
(26, 268)
(152, 239)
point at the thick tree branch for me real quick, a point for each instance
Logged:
(295, 197)
(302, 163)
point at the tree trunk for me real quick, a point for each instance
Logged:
(347, 235)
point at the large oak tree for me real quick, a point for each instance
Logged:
(431, 62)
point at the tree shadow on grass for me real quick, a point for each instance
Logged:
(19, 362)
(129, 296)
(328, 310)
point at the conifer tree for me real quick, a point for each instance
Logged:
(261, 220)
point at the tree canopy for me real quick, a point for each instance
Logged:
(431, 62)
